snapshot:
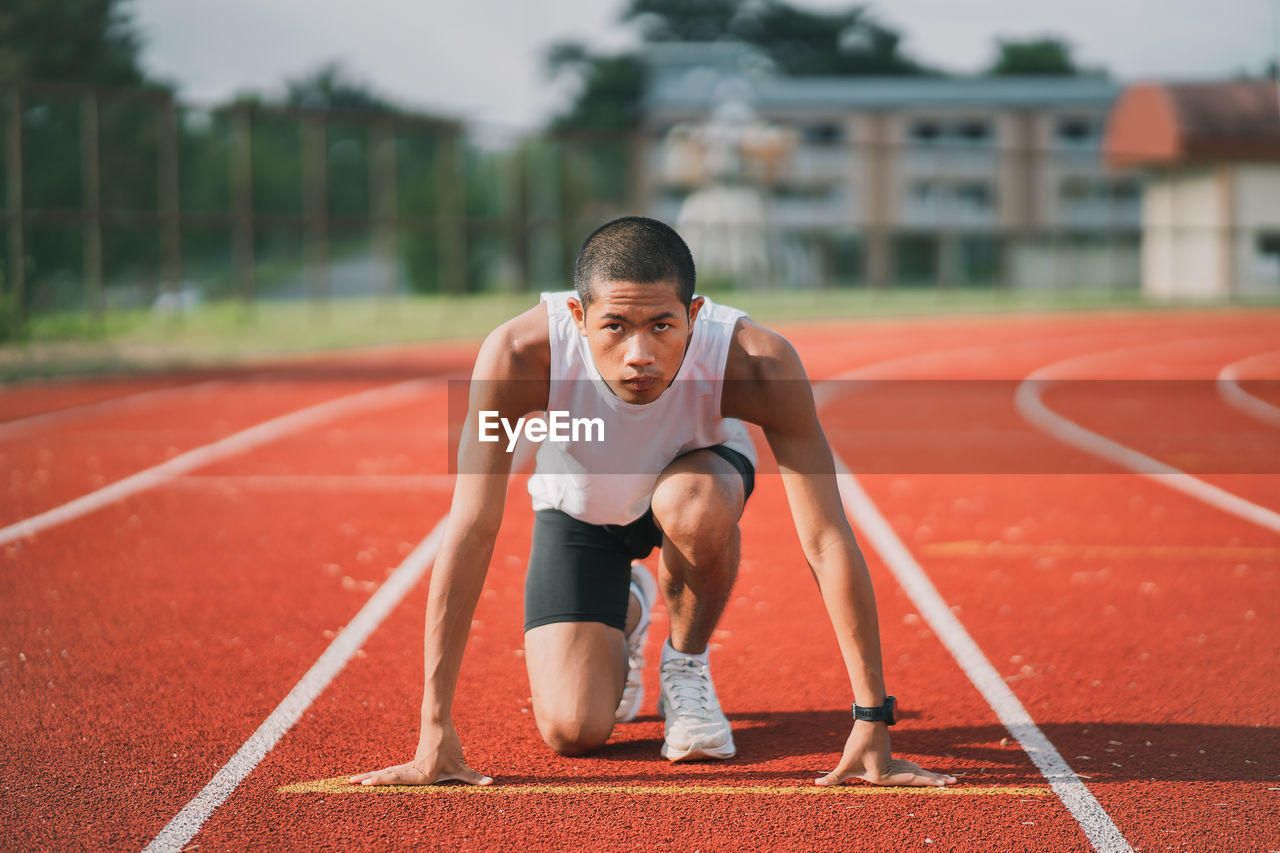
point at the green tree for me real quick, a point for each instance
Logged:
(1048, 55)
(798, 41)
(331, 87)
(611, 87)
(91, 43)
(69, 41)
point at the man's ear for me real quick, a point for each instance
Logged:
(694, 307)
(579, 315)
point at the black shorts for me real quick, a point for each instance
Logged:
(580, 572)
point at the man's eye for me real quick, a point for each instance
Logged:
(614, 327)
(661, 327)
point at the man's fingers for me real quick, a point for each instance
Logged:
(910, 774)
(901, 776)
(466, 774)
(377, 777)
(401, 774)
(408, 774)
(835, 777)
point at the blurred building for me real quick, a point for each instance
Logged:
(1211, 203)
(930, 180)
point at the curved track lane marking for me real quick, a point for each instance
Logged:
(342, 785)
(123, 403)
(989, 550)
(1035, 412)
(187, 823)
(1098, 826)
(255, 436)
(1229, 387)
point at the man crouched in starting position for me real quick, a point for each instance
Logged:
(672, 376)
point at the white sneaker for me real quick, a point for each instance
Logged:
(696, 727)
(645, 590)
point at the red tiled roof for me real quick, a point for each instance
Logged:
(1166, 123)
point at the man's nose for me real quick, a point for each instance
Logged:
(639, 351)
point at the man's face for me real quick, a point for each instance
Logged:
(637, 334)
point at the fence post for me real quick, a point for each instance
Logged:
(170, 202)
(565, 208)
(315, 207)
(17, 242)
(520, 217)
(451, 212)
(383, 204)
(242, 202)
(91, 180)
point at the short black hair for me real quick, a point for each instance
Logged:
(638, 249)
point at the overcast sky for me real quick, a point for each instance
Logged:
(482, 59)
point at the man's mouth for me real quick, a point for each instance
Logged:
(640, 383)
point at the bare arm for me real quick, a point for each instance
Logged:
(769, 387)
(510, 377)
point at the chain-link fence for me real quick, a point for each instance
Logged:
(128, 199)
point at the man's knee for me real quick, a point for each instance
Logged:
(697, 505)
(575, 736)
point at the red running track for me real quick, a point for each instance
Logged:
(145, 642)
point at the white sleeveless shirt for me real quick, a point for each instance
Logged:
(611, 481)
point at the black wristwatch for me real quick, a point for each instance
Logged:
(877, 714)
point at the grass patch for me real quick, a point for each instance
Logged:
(226, 332)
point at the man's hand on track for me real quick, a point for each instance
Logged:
(866, 757)
(439, 759)
(412, 774)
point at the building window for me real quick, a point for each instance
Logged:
(1269, 244)
(975, 195)
(923, 192)
(974, 130)
(1079, 189)
(1076, 189)
(1125, 190)
(1075, 130)
(925, 130)
(969, 131)
(1266, 257)
(954, 197)
(823, 133)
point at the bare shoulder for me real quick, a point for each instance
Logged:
(758, 354)
(513, 368)
(520, 348)
(765, 382)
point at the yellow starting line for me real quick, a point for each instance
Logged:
(341, 785)
(978, 548)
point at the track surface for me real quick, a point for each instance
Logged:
(144, 643)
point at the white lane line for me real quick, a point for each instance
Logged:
(255, 436)
(184, 826)
(1032, 408)
(315, 483)
(1071, 790)
(1102, 832)
(8, 429)
(187, 822)
(1229, 387)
